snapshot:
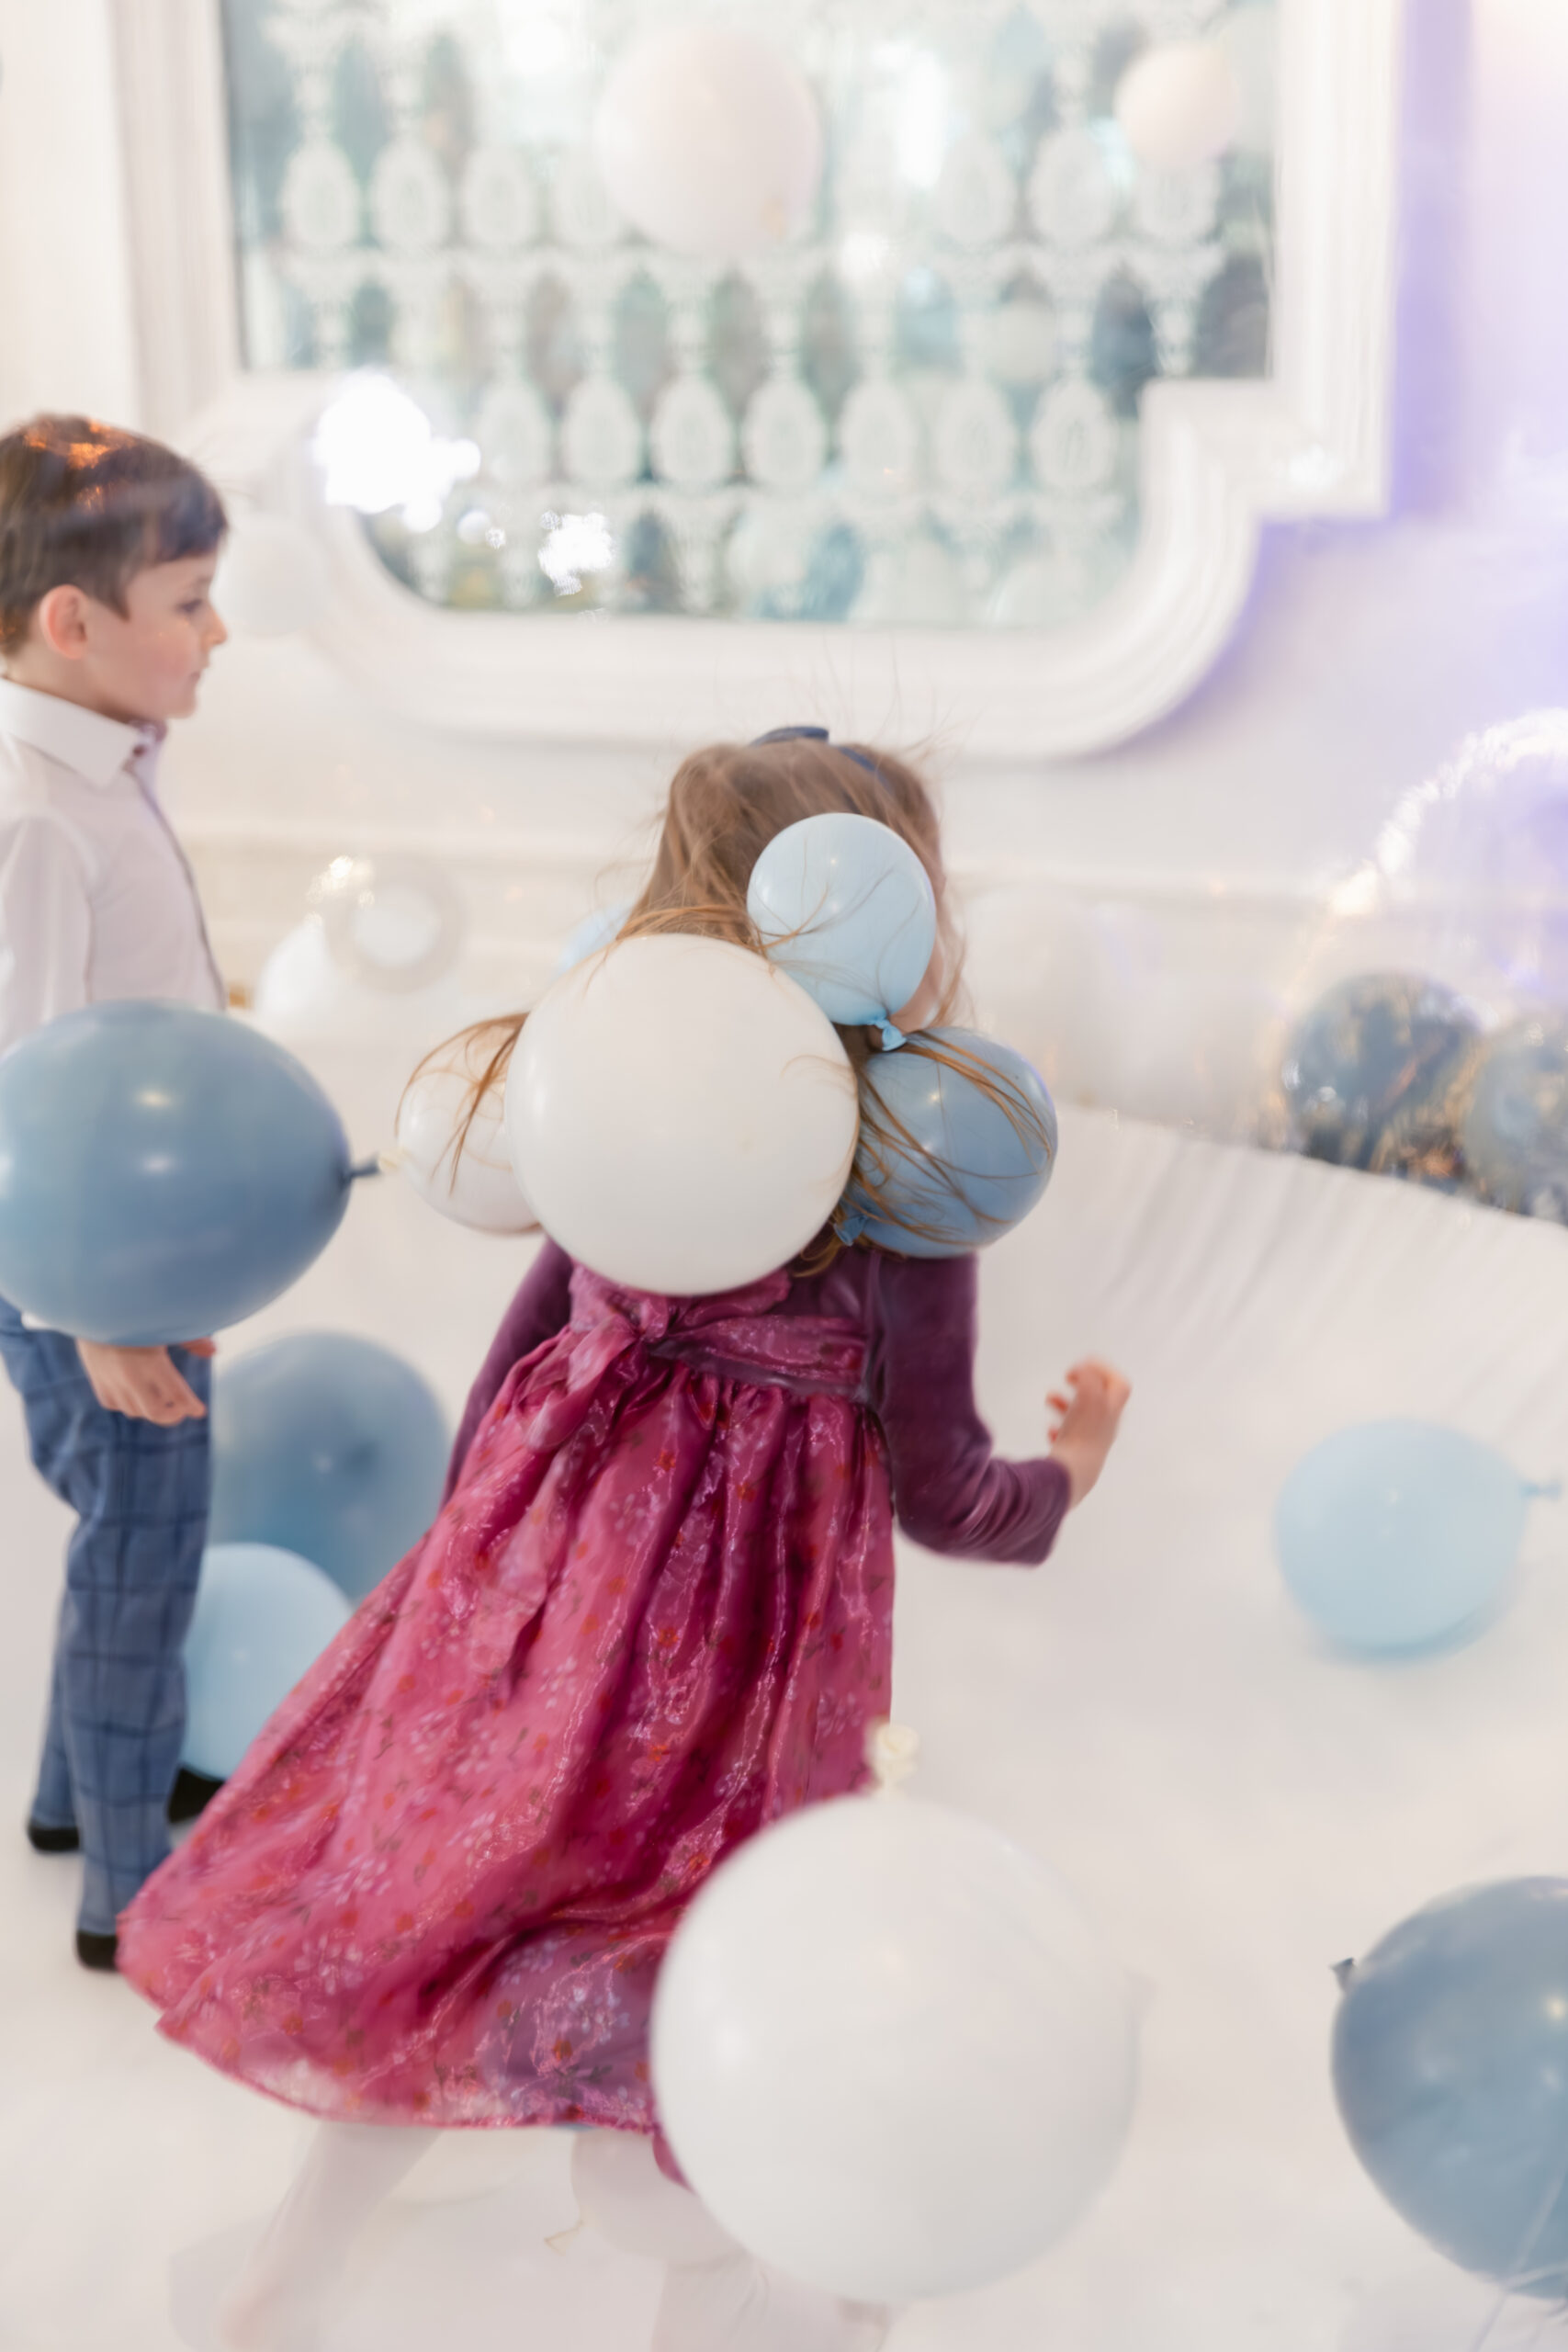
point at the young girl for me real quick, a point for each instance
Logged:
(654, 1614)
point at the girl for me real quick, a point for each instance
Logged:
(654, 1614)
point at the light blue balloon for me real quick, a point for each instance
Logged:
(163, 1172)
(331, 1447)
(263, 1618)
(595, 931)
(1450, 2068)
(959, 1164)
(844, 906)
(1396, 1535)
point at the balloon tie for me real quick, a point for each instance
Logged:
(891, 1038)
(892, 1750)
(391, 1159)
(563, 2238)
(366, 1168)
(848, 1225)
(1544, 1490)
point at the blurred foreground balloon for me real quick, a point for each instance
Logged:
(163, 1172)
(1376, 1075)
(331, 1447)
(1450, 2068)
(392, 923)
(1179, 105)
(1515, 1129)
(890, 2056)
(844, 906)
(271, 578)
(262, 1617)
(681, 1115)
(459, 1164)
(709, 140)
(962, 1149)
(1394, 1535)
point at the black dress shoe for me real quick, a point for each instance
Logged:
(44, 1840)
(96, 1952)
(191, 1795)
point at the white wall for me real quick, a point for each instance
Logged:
(1366, 652)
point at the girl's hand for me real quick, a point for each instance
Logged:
(143, 1383)
(1085, 1429)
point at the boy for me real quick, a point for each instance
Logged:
(107, 547)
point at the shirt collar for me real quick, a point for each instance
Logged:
(95, 747)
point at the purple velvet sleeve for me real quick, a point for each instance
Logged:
(543, 1304)
(950, 1492)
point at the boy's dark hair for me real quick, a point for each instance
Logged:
(87, 506)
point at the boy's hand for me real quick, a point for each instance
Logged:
(1085, 1429)
(143, 1383)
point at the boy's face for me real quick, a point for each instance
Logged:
(146, 663)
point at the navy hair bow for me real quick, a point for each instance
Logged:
(817, 735)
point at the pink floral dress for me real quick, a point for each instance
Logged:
(654, 1614)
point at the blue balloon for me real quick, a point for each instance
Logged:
(329, 1446)
(586, 938)
(962, 1150)
(1450, 2068)
(842, 904)
(262, 1617)
(163, 1172)
(1396, 1535)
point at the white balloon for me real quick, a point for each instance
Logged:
(888, 2053)
(474, 1186)
(1179, 105)
(272, 577)
(394, 922)
(681, 1115)
(709, 140)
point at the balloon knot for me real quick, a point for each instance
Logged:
(891, 1038)
(1343, 1971)
(366, 1168)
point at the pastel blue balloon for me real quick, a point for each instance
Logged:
(263, 1618)
(163, 1172)
(1450, 2068)
(595, 931)
(959, 1164)
(844, 906)
(1396, 1535)
(331, 1447)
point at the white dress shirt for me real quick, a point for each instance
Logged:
(96, 899)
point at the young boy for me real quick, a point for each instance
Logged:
(107, 547)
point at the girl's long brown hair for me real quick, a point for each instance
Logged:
(725, 803)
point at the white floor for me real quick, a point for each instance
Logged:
(1239, 1809)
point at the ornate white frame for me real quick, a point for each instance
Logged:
(1219, 459)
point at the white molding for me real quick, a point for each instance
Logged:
(169, 70)
(1218, 461)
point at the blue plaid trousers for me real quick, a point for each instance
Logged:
(117, 1699)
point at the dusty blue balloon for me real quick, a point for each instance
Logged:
(844, 906)
(961, 1145)
(163, 1172)
(262, 1617)
(1396, 1535)
(331, 1447)
(1450, 2068)
(586, 938)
